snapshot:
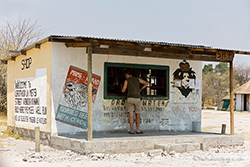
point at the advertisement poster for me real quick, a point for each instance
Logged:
(72, 108)
(31, 100)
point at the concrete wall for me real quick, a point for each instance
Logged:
(175, 114)
(28, 91)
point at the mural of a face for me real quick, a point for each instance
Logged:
(185, 81)
(184, 74)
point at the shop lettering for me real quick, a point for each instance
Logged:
(26, 63)
(22, 84)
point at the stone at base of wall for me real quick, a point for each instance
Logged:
(45, 137)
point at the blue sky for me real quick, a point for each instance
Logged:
(216, 23)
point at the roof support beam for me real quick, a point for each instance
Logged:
(37, 45)
(23, 52)
(231, 100)
(224, 55)
(13, 58)
(90, 129)
(154, 54)
(78, 44)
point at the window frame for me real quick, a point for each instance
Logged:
(146, 66)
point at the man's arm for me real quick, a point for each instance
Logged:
(145, 84)
(124, 86)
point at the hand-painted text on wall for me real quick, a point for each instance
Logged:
(30, 100)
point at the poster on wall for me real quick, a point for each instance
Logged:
(30, 100)
(72, 108)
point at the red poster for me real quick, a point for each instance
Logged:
(73, 103)
(77, 80)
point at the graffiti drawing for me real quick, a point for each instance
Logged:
(164, 121)
(186, 76)
(76, 94)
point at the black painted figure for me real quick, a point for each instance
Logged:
(184, 73)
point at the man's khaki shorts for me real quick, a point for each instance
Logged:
(133, 104)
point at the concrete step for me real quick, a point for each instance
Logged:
(133, 143)
(179, 148)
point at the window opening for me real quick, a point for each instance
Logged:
(156, 76)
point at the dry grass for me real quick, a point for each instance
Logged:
(3, 119)
(7, 132)
(10, 133)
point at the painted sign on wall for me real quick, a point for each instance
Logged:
(72, 108)
(26, 63)
(115, 112)
(30, 100)
(188, 87)
(186, 77)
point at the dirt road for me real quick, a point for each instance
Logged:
(212, 121)
(20, 153)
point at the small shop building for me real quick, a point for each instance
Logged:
(48, 85)
(242, 101)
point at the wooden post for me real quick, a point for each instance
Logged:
(89, 93)
(37, 139)
(223, 129)
(231, 100)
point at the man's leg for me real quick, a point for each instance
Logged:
(138, 115)
(138, 121)
(131, 121)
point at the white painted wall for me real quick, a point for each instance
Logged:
(61, 59)
(239, 101)
(178, 115)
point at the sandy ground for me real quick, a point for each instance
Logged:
(20, 153)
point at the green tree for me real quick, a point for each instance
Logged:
(207, 69)
(221, 68)
(215, 84)
(208, 89)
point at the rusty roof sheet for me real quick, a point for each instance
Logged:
(133, 41)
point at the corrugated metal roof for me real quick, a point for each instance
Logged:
(61, 38)
(243, 89)
(134, 41)
(148, 42)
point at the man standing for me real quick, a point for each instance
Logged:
(133, 99)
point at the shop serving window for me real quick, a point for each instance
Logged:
(156, 76)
